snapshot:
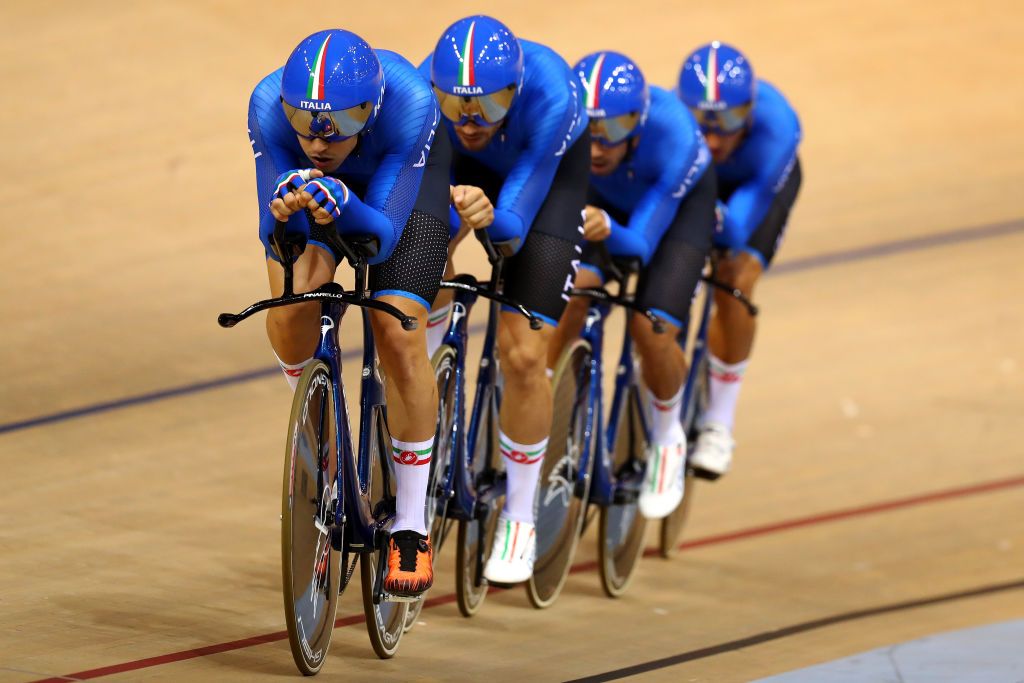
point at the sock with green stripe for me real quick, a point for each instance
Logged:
(522, 469)
(437, 325)
(412, 471)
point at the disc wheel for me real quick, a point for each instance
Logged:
(310, 563)
(385, 621)
(437, 495)
(560, 505)
(621, 528)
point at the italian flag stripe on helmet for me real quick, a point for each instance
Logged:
(594, 83)
(466, 75)
(315, 89)
(711, 76)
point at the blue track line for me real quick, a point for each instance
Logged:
(800, 265)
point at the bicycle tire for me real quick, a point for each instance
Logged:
(470, 585)
(385, 621)
(673, 525)
(622, 528)
(437, 499)
(560, 507)
(311, 590)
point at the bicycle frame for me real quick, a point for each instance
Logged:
(458, 484)
(352, 509)
(599, 437)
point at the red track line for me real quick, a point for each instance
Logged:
(885, 506)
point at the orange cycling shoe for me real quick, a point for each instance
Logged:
(410, 564)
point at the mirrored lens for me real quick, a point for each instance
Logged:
(329, 125)
(614, 129)
(481, 109)
(724, 121)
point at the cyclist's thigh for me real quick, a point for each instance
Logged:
(767, 237)
(416, 266)
(669, 279)
(314, 267)
(541, 274)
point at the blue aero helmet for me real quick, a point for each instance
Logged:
(332, 86)
(717, 84)
(476, 71)
(617, 96)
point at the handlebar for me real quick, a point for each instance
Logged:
(331, 291)
(751, 307)
(471, 284)
(602, 294)
(354, 249)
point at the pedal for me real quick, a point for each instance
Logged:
(401, 598)
(704, 474)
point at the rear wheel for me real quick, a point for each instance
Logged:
(672, 526)
(437, 495)
(310, 564)
(476, 535)
(385, 621)
(622, 527)
(559, 508)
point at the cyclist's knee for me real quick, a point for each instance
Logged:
(523, 351)
(402, 352)
(741, 270)
(648, 341)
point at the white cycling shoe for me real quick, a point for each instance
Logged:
(713, 454)
(664, 479)
(513, 552)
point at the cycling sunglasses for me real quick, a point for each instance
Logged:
(725, 121)
(332, 126)
(614, 129)
(483, 110)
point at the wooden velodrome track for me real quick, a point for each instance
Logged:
(880, 460)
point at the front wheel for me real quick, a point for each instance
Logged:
(560, 504)
(621, 531)
(385, 621)
(310, 563)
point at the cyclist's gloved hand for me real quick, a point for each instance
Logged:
(287, 198)
(720, 211)
(327, 199)
(597, 224)
(287, 207)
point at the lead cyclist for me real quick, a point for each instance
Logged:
(361, 126)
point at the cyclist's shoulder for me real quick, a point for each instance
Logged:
(543, 67)
(267, 93)
(670, 129)
(669, 116)
(408, 104)
(549, 85)
(774, 116)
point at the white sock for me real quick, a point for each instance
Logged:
(666, 429)
(292, 372)
(437, 326)
(412, 472)
(725, 390)
(522, 467)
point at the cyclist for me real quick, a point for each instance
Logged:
(515, 115)
(652, 197)
(753, 133)
(379, 168)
